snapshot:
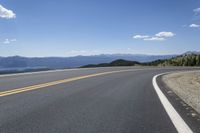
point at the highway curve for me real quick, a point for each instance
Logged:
(99, 100)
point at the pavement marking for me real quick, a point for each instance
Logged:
(176, 119)
(43, 85)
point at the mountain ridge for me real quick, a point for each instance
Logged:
(76, 61)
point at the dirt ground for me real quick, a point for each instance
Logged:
(186, 85)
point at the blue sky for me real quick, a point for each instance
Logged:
(38, 28)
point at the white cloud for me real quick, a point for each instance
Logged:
(194, 26)
(8, 41)
(164, 34)
(77, 52)
(154, 39)
(140, 36)
(197, 10)
(161, 36)
(6, 13)
(82, 52)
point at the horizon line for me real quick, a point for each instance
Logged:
(89, 55)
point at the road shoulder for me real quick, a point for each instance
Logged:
(184, 110)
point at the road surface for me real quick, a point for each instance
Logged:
(99, 100)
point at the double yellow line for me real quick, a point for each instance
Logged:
(43, 85)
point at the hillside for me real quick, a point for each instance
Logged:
(186, 59)
(119, 62)
(182, 60)
(70, 62)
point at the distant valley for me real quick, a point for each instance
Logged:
(71, 62)
(15, 64)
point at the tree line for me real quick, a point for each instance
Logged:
(182, 60)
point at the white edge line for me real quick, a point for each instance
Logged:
(176, 119)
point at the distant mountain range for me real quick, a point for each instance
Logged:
(186, 59)
(71, 62)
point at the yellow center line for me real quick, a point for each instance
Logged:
(43, 85)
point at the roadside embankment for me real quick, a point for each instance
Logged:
(186, 85)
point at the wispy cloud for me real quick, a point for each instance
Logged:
(161, 36)
(197, 10)
(8, 41)
(194, 26)
(154, 39)
(6, 13)
(165, 34)
(196, 14)
(140, 36)
(13, 40)
(82, 52)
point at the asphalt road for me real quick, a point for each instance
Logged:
(117, 102)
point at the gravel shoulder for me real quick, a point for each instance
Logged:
(186, 85)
